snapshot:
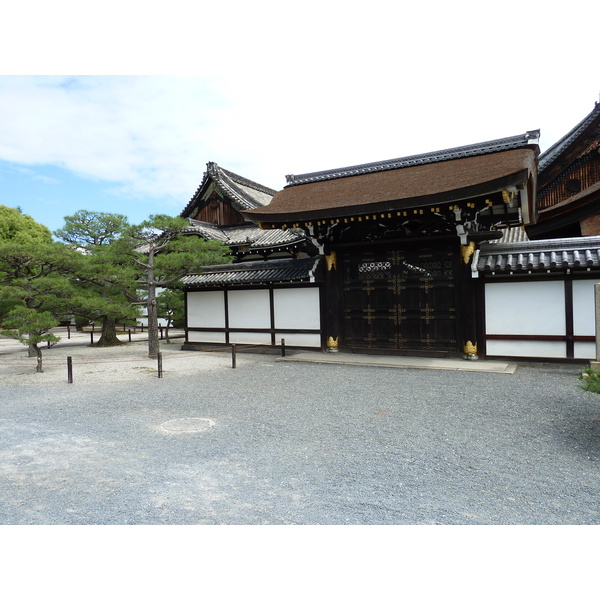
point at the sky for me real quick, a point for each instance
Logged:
(119, 110)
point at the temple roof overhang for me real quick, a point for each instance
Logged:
(573, 210)
(434, 180)
(308, 270)
(570, 147)
(247, 235)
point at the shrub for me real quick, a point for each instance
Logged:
(590, 381)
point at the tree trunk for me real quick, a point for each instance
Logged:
(108, 337)
(152, 310)
(167, 332)
(38, 352)
(31, 350)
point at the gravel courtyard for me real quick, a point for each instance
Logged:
(273, 442)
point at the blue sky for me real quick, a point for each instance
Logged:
(268, 89)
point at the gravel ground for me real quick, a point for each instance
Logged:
(289, 443)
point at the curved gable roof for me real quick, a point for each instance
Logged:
(243, 193)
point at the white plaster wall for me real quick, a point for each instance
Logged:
(525, 308)
(205, 309)
(297, 308)
(310, 340)
(584, 317)
(249, 337)
(213, 337)
(526, 348)
(249, 309)
(585, 350)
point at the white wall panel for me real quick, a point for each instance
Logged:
(310, 340)
(539, 349)
(525, 308)
(584, 317)
(249, 309)
(249, 337)
(585, 350)
(213, 337)
(206, 309)
(297, 308)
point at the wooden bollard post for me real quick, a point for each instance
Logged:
(68, 332)
(69, 369)
(282, 347)
(233, 356)
(160, 369)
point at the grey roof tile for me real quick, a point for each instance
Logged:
(247, 235)
(540, 255)
(257, 272)
(243, 193)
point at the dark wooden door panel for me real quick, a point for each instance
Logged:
(400, 299)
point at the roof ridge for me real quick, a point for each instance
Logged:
(480, 148)
(228, 181)
(259, 187)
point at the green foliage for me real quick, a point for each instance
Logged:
(29, 326)
(105, 281)
(590, 381)
(20, 228)
(86, 229)
(171, 306)
(35, 276)
(103, 269)
(162, 252)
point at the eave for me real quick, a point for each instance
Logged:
(437, 185)
(569, 148)
(571, 211)
(450, 200)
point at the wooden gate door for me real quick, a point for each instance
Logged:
(401, 299)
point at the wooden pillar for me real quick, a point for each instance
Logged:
(468, 304)
(332, 302)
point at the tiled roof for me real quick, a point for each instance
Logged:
(540, 255)
(247, 235)
(243, 193)
(417, 186)
(510, 235)
(509, 143)
(547, 157)
(257, 272)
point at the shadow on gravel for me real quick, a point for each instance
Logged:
(583, 436)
